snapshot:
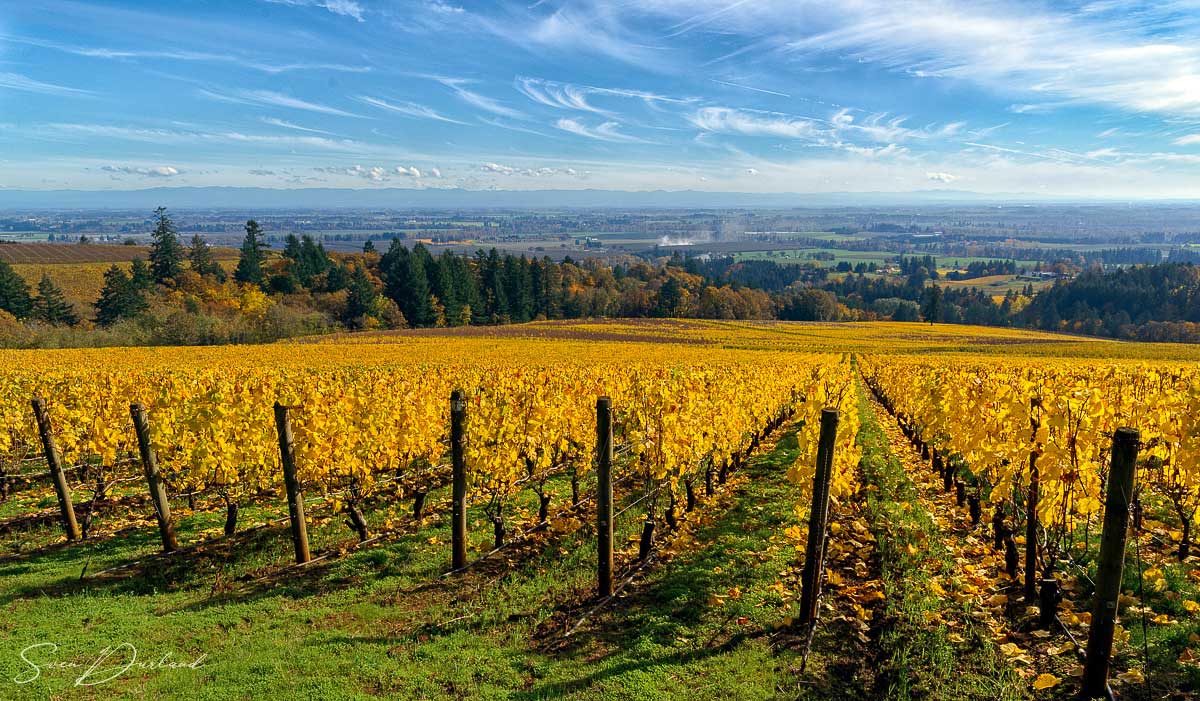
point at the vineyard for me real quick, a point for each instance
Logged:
(622, 509)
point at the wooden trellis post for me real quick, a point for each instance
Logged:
(54, 461)
(814, 557)
(604, 496)
(287, 455)
(158, 493)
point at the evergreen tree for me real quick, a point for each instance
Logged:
(250, 261)
(407, 284)
(493, 287)
(518, 288)
(931, 309)
(51, 306)
(307, 260)
(361, 301)
(446, 289)
(139, 275)
(202, 261)
(670, 297)
(368, 246)
(14, 292)
(119, 299)
(166, 253)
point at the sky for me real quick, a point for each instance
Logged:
(1087, 99)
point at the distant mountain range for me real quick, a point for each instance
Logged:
(453, 198)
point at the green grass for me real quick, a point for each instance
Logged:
(917, 659)
(381, 621)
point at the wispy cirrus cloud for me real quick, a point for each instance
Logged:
(1135, 56)
(608, 131)
(501, 124)
(271, 98)
(557, 95)
(483, 102)
(842, 130)
(16, 81)
(254, 63)
(408, 109)
(572, 96)
(755, 123)
(283, 123)
(346, 8)
(1189, 140)
(171, 136)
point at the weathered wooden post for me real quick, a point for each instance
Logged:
(1112, 561)
(287, 455)
(814, 557)
(604, 497)
(158, 493)
(458, 517)
(54, 461)
(1031, 518)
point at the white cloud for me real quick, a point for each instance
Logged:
(274, 99)
(874, 152)
(170, 137)
(16, 81)
(372, 173)
(152, 172)
(261, 171)
(754, 123)
(408, 109)
(376, 174)
(542, 172)
(435, 172)
(605, 132)
(752, 171)
(557, 95)
(276, 122)
(483, 102)
(513, 127)
(1189, 140)
(347, 8)
(1142, 57)
(257, 64)
(941, 177)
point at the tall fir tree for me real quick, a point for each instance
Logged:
(51, 305)
(361, 300)
(931, 307)
(201, 259)
(407, 283)
(166, 253)
(308, 261)
(251, 258)
(14, 292)
(119, 299)
(140, 276)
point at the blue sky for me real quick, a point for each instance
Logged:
(1077, 98)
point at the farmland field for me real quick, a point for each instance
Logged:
(715, 430)
(78, 269)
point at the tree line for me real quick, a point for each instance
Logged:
(183, 294)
